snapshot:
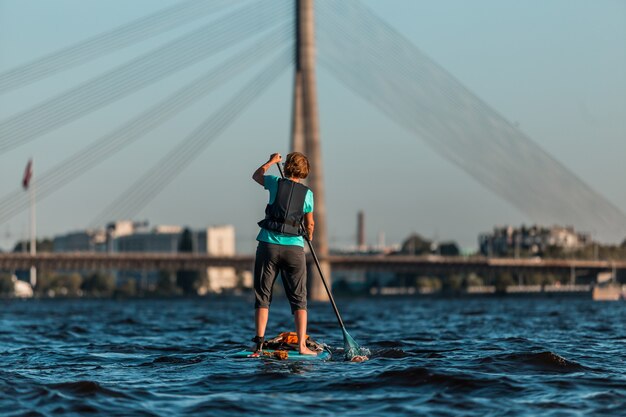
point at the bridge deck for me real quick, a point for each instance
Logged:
(172, 261)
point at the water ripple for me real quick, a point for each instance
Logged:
(429, 357)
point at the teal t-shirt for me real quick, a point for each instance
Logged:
(271, 184)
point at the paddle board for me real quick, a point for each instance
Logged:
(291, 356)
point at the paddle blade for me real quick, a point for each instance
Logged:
(352, 349)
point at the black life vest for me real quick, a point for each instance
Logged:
(285, 214)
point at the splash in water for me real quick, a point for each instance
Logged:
(357, 354)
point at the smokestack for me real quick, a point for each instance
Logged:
(360, 231)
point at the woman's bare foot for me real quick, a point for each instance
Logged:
(306, 351)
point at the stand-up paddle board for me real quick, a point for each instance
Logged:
(285, 347)
(291, 355)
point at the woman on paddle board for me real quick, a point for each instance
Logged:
(281, 244)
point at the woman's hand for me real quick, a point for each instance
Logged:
(275, 158)
(260, 172)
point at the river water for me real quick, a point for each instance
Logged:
(477, 357)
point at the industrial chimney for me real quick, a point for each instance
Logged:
(360, 232)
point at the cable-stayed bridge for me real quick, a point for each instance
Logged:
(357, 47)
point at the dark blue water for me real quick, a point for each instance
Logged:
(474, 357)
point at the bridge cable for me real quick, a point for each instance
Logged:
(141, 71)
(395, 107)
(109, 41)
(89, 157)
(463, 140)
(164, 171)
(378, 59)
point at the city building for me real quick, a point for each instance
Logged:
(162, 239)
(127, 236)
(533, 240)
(80, 241)
(219, 241)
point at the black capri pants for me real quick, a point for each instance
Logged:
(290, 262)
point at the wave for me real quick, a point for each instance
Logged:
(514, 340)
(416, 376)
(73, 329)
(544, 361)
(126, 321)
(176, 360)
(206, 320)
(66, 333)
(392, 353)
(474, 313)
(133, 348)
(388, 344)
(420, 339)
(86, 388)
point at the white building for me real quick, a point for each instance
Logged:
(219, 241)
(128, 236)
(567, 237)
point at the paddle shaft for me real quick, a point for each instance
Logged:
(319, 268)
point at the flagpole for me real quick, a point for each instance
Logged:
(33, 234)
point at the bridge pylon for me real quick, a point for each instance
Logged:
(305, 137)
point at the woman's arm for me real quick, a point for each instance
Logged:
(309, 224)
(260, 172)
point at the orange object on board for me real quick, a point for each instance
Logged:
(291, 337)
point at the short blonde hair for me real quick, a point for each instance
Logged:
(296, 166)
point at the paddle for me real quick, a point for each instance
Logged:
(351, 347)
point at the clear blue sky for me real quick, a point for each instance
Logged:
(555, 67)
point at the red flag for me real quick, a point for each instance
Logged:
(28, 174)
